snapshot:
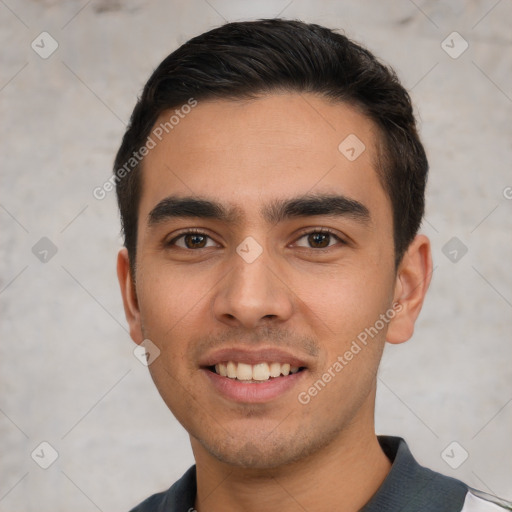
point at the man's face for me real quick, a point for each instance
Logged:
(264, 285)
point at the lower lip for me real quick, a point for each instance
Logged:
(253, 392)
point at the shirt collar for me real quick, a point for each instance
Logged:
(408, 486)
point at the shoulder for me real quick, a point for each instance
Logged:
(412, 487)
(179, 497)
(155, 503)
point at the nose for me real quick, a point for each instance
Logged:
(252, 294)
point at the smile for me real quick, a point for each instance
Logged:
(248, 375)
(259, 372)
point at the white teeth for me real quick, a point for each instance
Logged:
(275, 369)
(231, 370)
(222, 370)
(258, 372)
(244, 371)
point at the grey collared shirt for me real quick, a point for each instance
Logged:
(408, 487)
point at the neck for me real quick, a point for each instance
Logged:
(343, 475)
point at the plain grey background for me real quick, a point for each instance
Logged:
(68, 373)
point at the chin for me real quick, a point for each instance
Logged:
(264, 454)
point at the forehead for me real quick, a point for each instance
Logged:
(249, 152)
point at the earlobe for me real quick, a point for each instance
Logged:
(128, 292)
(412, 282)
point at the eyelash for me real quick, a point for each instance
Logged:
(328, 231)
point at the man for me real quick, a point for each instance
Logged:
(271, 186)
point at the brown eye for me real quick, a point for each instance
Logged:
(194, 241)
(191, 240)
(319, 239)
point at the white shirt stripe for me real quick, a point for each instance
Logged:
(484, 503)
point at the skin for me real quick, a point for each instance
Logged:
(312, 300)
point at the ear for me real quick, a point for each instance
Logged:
(130, 302)
(412, 282)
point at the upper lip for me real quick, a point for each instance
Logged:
(243, 355)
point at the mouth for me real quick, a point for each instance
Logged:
(245, 376)
(254, 373)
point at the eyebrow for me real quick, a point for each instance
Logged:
(274, 212)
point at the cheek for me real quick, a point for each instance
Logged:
(343, 301)
(167, 294)
(171, 307)
(345, 314)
